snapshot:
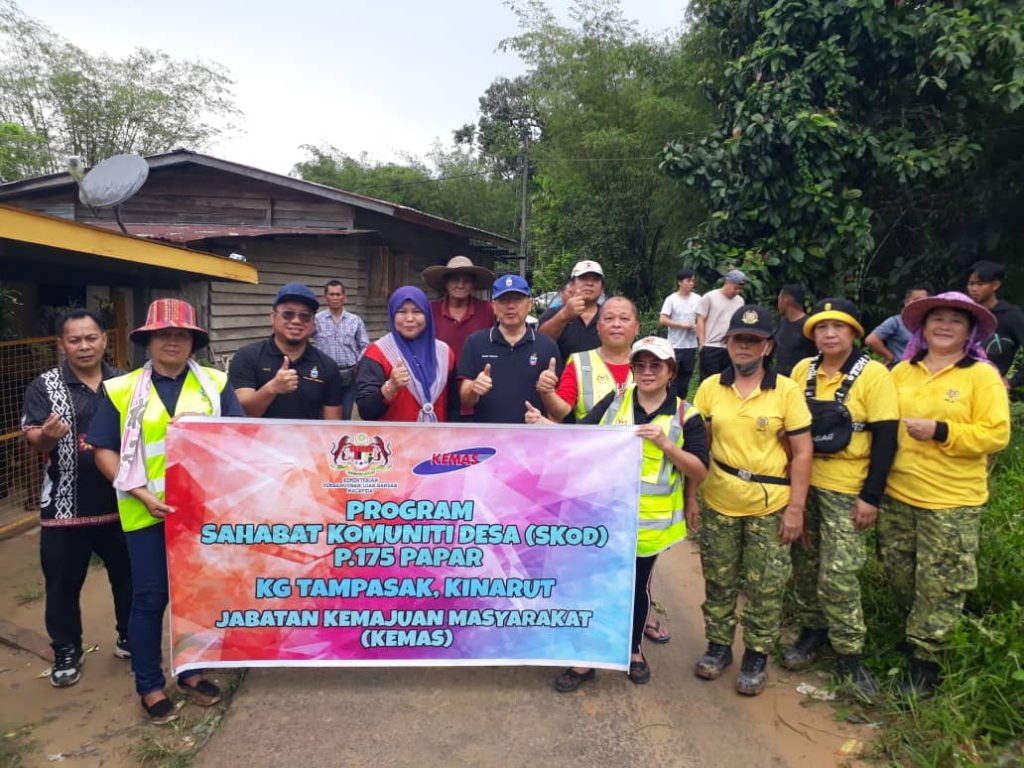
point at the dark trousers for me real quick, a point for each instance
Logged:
(148, 552)
(348, 391)
(686, 361)
(713, 360)
(65, 553)
(642, 598)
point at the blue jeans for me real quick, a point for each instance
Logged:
(148, 553)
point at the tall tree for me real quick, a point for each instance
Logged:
(97, 106)
(607, 98)
(860, 145)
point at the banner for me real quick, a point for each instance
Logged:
(360, 543)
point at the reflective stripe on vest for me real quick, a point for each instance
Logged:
(594, 380)
(662, 521)
(192, 399)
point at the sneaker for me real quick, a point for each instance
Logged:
(714, 661)
(753, 674)
(925, 677)
(121, 649)
(67, 666)
(205, 693)
(806, 649)
(851, 669)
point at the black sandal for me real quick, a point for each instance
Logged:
(570, 679)
(160, 711)
(204, 693)
(639, 672)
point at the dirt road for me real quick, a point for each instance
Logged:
(512, 717)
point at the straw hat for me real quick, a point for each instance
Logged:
(435, 276)
(171, 313)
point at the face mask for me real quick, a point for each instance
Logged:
(748, 369)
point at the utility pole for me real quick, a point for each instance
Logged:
(524, 177)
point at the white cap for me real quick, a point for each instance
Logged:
(587, 267)
(656, 345)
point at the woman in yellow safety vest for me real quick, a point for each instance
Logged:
(674, 451)
(128, 433)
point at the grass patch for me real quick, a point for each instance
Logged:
(30, 594)
(977, 716)
(14, 745)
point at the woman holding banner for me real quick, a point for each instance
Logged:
(405, 375)
(128, 433)
(674, 452)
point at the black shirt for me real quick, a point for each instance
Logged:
(577, 336)
(92, 495)
(791, 346)
(695, 435)
(514, 372)
(319, 382)
(1002, 346)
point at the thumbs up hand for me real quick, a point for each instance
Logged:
(399, 377)
(548, 379)
(286, 379)
(533, 416)
(482, 383)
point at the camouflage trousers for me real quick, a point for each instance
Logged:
(825, 575)
(743, 551)
(930, 561)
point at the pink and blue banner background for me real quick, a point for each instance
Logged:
(252, 471)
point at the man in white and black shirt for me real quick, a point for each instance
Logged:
(78, 514)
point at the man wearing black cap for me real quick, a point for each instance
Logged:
(285, 377)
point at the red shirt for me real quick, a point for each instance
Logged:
(404, 407)
(479, 317)
(568, 390)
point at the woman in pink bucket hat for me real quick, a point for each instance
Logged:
(128, 433)
(954, 413)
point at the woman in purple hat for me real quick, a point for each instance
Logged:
(954, 414)
(405, 375)
(128, 433)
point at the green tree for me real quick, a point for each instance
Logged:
(860, 144)
(21, 153)
(97, 106)
(607, 98)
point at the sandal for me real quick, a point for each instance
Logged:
(639, 672)
(570, 679)
(204, 693)
(160, 711)
(656, 633)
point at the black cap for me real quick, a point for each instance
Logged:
(752, 319)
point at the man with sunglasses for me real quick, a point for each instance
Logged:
(284, 376)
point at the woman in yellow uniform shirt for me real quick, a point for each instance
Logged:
(955, 412)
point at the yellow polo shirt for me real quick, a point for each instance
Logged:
(971, 399)
(745, 435)
(872, 398)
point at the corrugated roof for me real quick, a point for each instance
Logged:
(190, 233)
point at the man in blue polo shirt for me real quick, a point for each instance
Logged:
(499, 367)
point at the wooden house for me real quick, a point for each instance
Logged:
(287, 228)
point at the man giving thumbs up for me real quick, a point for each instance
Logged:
(502, 367)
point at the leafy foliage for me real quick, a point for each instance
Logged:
(860, 144)
(96, 106)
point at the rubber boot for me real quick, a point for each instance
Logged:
(806, 649)
(850, 668)
(925, 677)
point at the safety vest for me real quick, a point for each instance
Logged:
(594, 380)
(134, 514)
(662, 522)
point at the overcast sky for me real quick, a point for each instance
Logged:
(380, 77)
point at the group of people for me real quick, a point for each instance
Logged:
(792, 469)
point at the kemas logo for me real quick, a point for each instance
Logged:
(452, 461)
(361, 454)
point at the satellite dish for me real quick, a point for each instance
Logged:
(113, 181)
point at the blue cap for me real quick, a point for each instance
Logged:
(510, 284)
(297, 292)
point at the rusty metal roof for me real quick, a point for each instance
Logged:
(190, 233)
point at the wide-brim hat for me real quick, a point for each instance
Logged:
(171, 313)
(436, 275)
(843, 310)
(915, 312)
